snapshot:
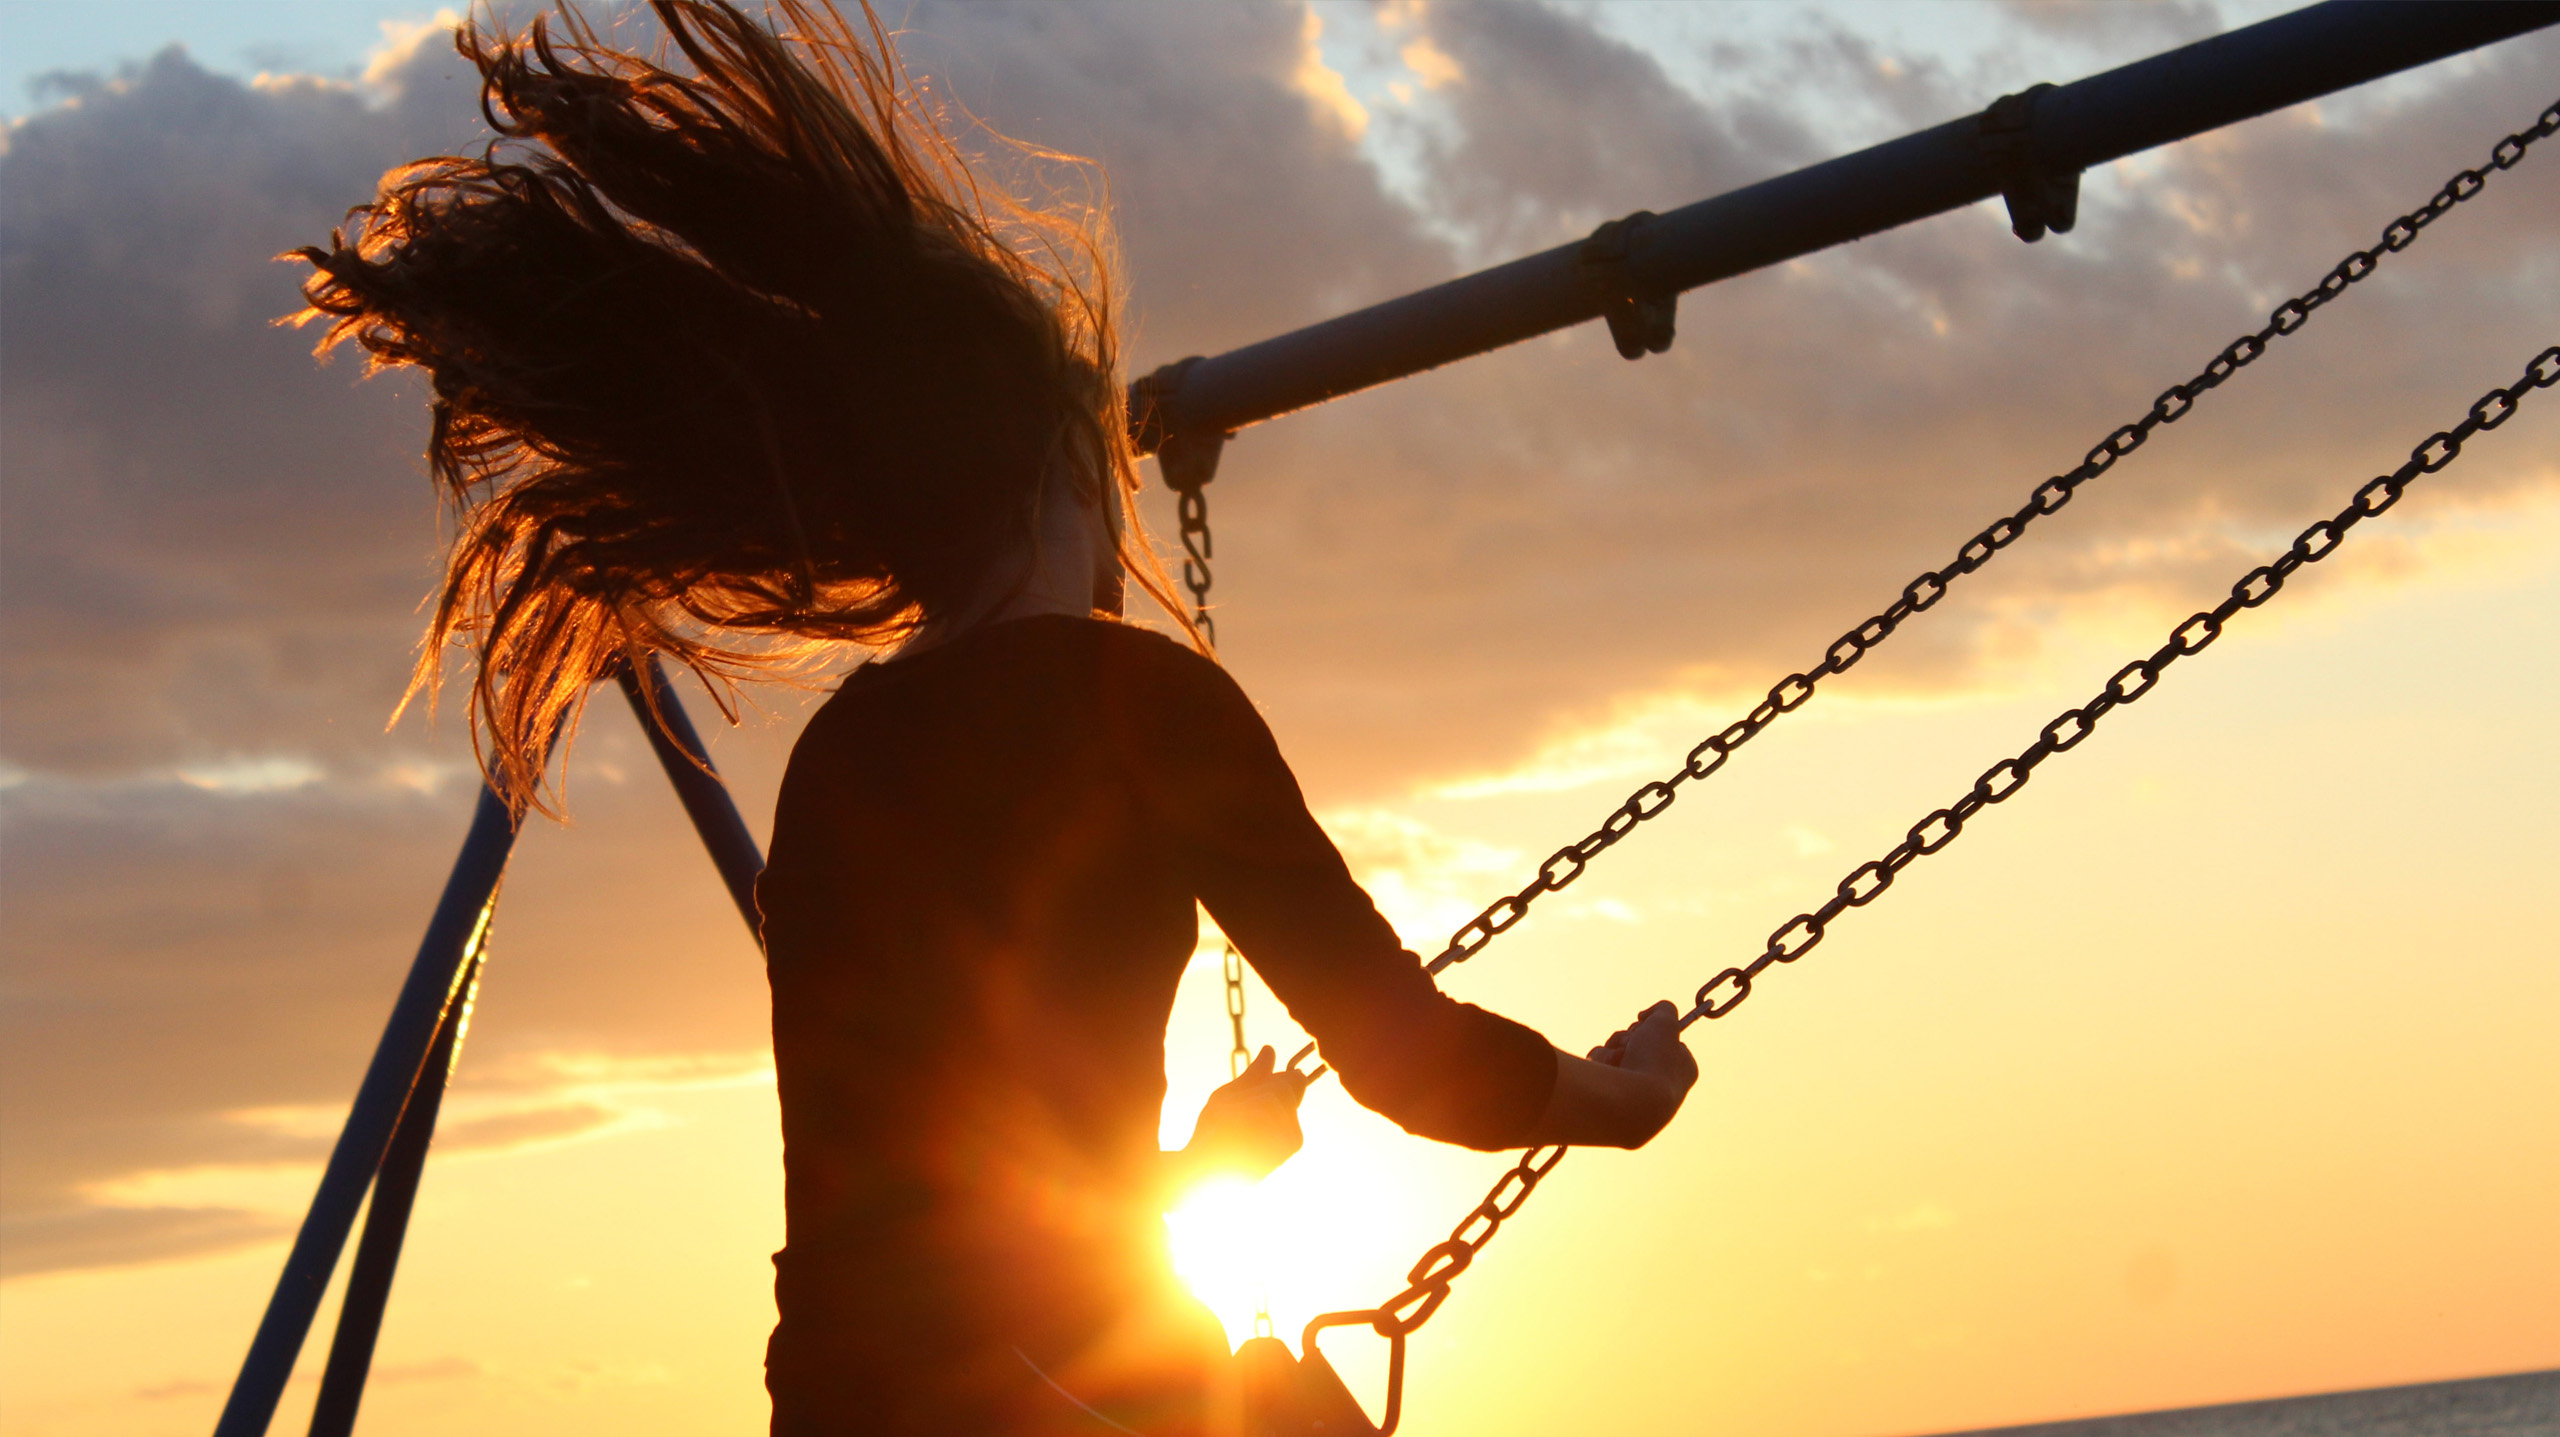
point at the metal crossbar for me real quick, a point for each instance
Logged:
(2025, 148)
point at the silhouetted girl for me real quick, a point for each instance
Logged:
(732, 359)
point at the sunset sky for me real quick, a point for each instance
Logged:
(2218, 1064)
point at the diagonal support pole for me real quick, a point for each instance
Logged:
(384, 1145)
(416, 1017)
(706, 799)
(386, 1222)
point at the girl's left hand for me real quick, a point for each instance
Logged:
(1249, 1127)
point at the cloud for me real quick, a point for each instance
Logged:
(1323, 85)
(211, 551)
(1426, 882)
(1245, 207)
(2155, 26)
(189, 968)
(118, 1236)
(434, 1369)
(160, 432)
(1549, 127)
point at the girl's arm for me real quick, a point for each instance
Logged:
(1619, 1097)
(1441, 1069)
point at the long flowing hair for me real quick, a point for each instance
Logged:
(734, 359)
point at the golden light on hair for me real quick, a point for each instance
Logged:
(731, 362)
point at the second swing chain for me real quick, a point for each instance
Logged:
(1790, 693)
(1427, 1285)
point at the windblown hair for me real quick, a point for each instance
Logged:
(729, 363)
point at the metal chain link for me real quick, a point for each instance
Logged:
(1428, 1283)
(1798, 935)
(1197, 549)
(1791, 692)
(1232, 968)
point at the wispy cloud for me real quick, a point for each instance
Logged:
(271, 773)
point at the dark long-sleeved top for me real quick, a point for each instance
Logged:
(979, 904)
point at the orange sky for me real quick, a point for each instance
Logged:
(2216, 1065)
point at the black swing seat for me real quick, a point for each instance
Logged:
(1285, 1396)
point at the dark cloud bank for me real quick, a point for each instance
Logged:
(212, 550)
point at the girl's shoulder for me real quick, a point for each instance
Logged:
(1051, 653)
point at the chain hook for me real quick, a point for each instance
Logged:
(1641, 321)
(2040, 197)
(1188, 458)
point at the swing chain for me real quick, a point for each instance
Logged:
(1197, 547)
(1188, 458)
(1428, 1283)
(1790, 693)
(1798, 935)
(1231, 968)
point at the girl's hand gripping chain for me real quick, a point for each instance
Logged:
(1650, 1048)
(1626, 1091)
(1249, 1126)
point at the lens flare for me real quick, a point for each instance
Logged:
(1223, 1238)
(1334, 1228)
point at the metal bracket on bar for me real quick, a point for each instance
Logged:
(1640, 322)
(1190, 461)
(1151, 402)
(1188, 458)
(2039, 197)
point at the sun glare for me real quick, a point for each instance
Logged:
(1326, 1232)
(1222, 1247)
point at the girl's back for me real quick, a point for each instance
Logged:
(979, 906)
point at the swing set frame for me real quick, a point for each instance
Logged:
(2029, 148)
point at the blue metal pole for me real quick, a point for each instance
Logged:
(397, 1061)
(706, 799)
(399, 1160)
(386, 1222)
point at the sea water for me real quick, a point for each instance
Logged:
(2524, 1405)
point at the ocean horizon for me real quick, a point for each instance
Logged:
(2521, 1404)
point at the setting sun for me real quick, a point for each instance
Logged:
(1335, 1227)
(1227, 1242)
(1322, 1234)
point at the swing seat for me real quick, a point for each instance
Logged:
(1285, 1396)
